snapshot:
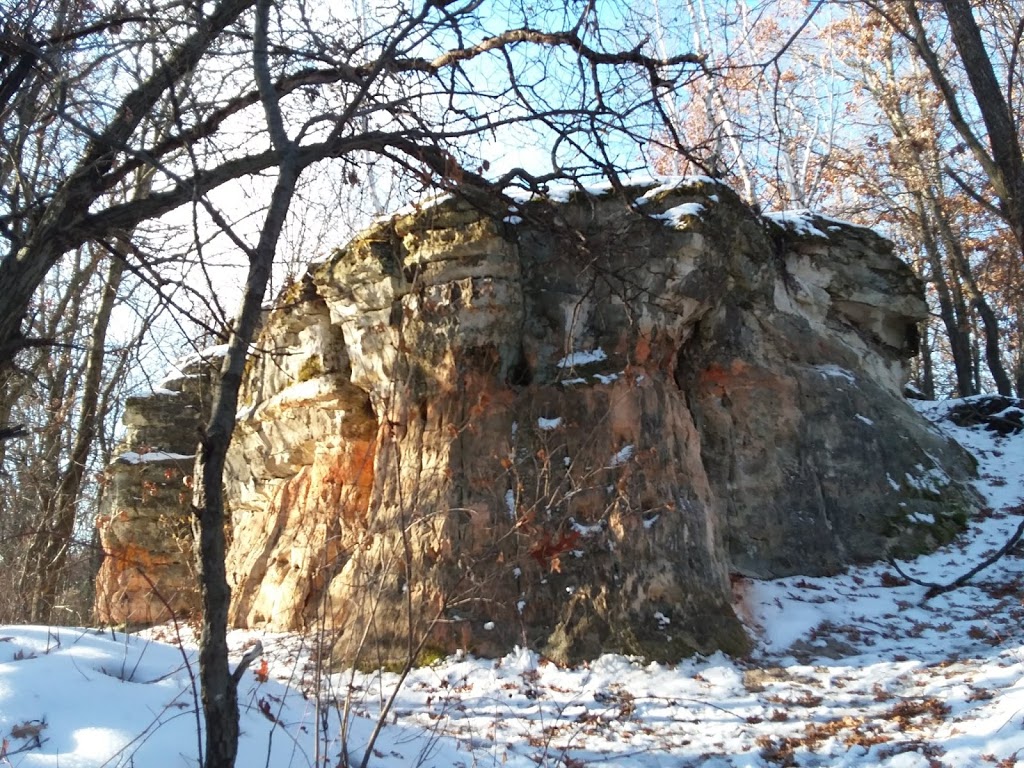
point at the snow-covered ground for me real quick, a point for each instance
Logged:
(856, 670)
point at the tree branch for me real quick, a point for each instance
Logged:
(935, 589)
(550, 39)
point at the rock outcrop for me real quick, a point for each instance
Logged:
(148, 572)
(565, 425)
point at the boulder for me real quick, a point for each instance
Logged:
(565, 425)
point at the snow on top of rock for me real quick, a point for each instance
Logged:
(804, 221)
(420, 205)
(800, 221)
(132, 457)
(215, 352)
(562, 192)
(178, 368)
(675, 216)
(663, 184)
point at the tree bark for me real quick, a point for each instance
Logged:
(219, 686)
(995, 112)
(977, 301)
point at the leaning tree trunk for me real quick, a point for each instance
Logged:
(995, 110)
(220, 698)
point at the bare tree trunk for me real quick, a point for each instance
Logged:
(926, 379)
(996, 113)
(952, 319)
(55, 374)
(220, 699)
(219, 685)
(977, 300)
(989, 321)
(51, 547)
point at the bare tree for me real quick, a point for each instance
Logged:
(419, 87)
(768, 119)
(981, 108)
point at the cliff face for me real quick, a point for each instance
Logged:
(566, 428)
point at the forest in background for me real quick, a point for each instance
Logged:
(167, 166)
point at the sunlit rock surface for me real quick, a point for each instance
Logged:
(148, 572)
(564, 425)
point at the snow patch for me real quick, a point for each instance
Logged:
(835, 372)
(667, 184)
(799, 221)
(587, 530)
(623, 455)
(928, 480)
(131, 457)
(675, 216)
(417, 206)
(582, 358)
(176, 370)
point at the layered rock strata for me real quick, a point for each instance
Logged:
(148, 571)
(565, 427)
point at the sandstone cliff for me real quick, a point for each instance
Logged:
(564, 426)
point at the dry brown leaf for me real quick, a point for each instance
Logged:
(30, 729)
